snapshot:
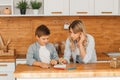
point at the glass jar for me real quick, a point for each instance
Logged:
(114, 62)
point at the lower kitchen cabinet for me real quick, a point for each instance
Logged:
(7, 70)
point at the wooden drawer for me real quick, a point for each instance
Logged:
(6, 76)
(5, 66)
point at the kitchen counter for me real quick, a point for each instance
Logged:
(82, 70)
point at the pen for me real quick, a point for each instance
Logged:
(71, 68)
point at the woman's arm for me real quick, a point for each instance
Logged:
(67, 51)
(81, 45)
(82, 51)
(90, 48)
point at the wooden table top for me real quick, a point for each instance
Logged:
(82, 70)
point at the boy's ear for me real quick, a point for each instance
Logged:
(37, 37)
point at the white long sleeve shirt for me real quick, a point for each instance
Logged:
(90, 56)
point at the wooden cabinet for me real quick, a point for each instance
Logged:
(106, 7)
(81, 7)
(6, 70)
(56, 7)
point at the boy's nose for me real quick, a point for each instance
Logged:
(72, 35)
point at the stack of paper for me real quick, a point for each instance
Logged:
(60, 66)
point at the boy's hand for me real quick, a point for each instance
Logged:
(53, 62)
(64, 61)
(44, 65)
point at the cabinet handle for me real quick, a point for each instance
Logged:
(56, 12)
(3, 65)
(106, 12)
(82, 12)
(3, 74)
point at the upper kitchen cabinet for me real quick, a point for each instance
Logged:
(81, 7)
(56, 7)
(106, 7)
(6, 7)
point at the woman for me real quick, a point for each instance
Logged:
(79, 45)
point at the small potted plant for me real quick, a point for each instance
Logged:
(36, 5)
(22, 5)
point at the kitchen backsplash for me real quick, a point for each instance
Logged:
(105, 29)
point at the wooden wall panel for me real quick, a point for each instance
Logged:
(106, 30)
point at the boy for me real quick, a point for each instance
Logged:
(42, 53)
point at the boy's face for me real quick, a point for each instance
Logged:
(43, 40)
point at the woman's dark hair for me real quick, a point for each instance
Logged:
(42, 30)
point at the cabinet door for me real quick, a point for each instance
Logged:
(81, 7)
(56, 7)
(6, 75)
(7, 66)
(106, 7)
(6, 70)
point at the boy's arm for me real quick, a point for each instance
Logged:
(55, 54)
(29, 56)
(32, 61)
(41, 64)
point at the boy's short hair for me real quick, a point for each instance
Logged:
(42, 30)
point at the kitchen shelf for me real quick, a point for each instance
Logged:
(45, 10)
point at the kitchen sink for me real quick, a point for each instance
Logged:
(113, 54)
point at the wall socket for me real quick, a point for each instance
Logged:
(66, 26)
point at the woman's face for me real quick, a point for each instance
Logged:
(73, 35)
(43, 40)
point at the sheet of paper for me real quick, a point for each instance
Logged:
(60, 66)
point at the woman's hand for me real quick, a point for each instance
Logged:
(64, 61)
(53, 62)
(82, 39)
